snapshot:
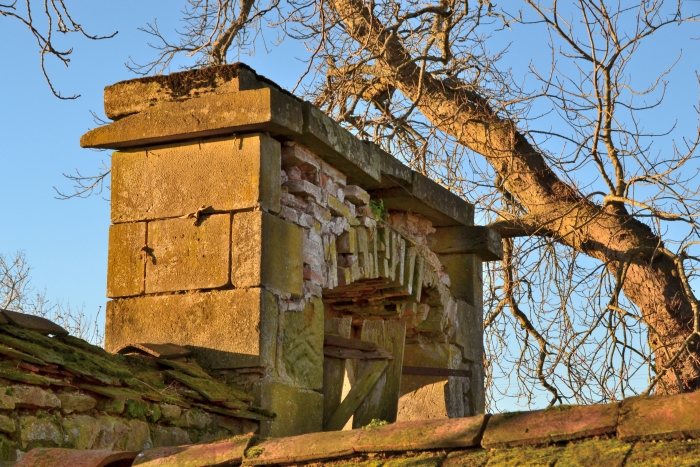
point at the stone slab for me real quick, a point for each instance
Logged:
(475, 239)
(266, 251)
(267, 110)
(47, 457)
(224, 329)
(302, 344)
(166, 351)
(299, 411)
(394, 172)
(173, 181)
(304, 448)
(422, 434)
(227, 452)
(133, 96)
(465, 273)
(187, 255)
(404, 199)
(660, 417)
(340, 148)
(563, 423)
(125, 259)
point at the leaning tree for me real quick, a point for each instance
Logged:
(598, 214)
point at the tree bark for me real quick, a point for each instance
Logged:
(607, 233)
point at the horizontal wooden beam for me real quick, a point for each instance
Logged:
(475, 239)
(357, 354)
(338, 341)
(424, 371)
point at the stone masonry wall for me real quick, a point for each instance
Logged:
(243, 219)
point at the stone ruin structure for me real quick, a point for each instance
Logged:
(294, 261)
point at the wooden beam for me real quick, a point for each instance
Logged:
(364, 384)
(355, 354)
(424, 371)
(476, 239)
(340, 341)
(383, 401)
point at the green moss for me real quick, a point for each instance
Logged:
(559, 408)
(509, 415)
(254, 452)
(137, 408)
(9, 391)
(154, 413)
(420, 461)
(665, 454)
(7, 449)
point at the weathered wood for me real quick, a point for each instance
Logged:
(476, 239)
(425, 371)
(383, 401)
(356, 354)
(359, 392)
(339, 341)
(334, 368)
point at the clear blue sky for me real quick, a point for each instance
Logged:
(66, 241)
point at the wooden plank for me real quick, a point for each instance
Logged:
(359, 392)
(338, 341)
(475, 239)
(334, 368)
(425, 371)
(356, 354)
(383, 401)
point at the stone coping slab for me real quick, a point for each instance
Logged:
(563, 423)
(52, 457)
(227, 452)
(303, 448)
(212, 115)
(660, 417)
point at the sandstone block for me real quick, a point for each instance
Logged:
(170, 412)
(125, 260)
(465, 273)
(76, 402)
(266, 110)
(266, 251)
(227, 328)
(187, 256)
(111, 432)
(172, 181)
(302, 345)
(133, 96)
(137, 438)
(298, 410)
(474, 239)
(7, 401)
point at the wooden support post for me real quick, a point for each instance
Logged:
(383, 402)
(359, 392)
(334, 368)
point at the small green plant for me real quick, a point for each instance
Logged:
(379, 210)
(376, 422)
(254, 452)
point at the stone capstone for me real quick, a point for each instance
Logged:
(302, 348)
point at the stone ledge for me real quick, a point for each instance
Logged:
(265, 110)
(660, 417)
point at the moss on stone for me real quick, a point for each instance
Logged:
(665, 454)
(254, 452)
(137, 408)
(7, 449)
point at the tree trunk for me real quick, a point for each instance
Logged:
(554, 208)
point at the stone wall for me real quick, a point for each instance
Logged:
(245, 219)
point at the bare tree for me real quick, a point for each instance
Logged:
(17, 294)
(596, 287)
(56, 18)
